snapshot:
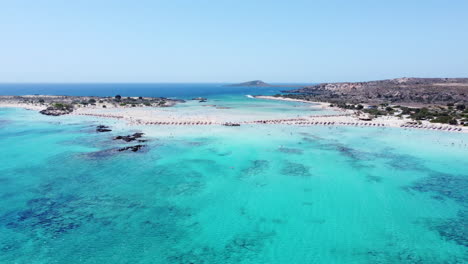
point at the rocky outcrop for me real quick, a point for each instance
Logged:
(130, 138)
(102, 128)
(52, 111)
(132, 148)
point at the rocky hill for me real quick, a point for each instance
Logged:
(401, 90)
(256, 83)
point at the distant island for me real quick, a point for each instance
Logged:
(256, 83)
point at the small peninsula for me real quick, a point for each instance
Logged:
(56, 105)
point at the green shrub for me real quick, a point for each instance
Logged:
(62, 106)
(444, 119)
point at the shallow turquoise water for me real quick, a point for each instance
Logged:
(253, 194)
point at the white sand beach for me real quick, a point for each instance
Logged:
(195, 115)
(168, 116)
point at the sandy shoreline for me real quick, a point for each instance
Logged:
(319, 104)
(36, 107)
(152, 116)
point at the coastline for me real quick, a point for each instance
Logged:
(321, 104)
(167, 116)
(35, 107)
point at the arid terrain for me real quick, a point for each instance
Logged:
(404, 91)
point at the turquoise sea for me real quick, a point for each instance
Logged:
(249, 194)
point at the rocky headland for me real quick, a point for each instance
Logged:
(403, 91)
(130, 138)
(437, 100)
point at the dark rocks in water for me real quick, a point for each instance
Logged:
(102, 128)
(132, 148)
(130, 138)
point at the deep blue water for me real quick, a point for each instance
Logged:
(180, 90)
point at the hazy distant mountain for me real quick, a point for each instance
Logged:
(256, 83)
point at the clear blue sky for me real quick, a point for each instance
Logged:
(231, 41)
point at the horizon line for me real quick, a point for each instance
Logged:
(216, 82)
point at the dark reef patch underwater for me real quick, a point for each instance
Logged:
(256, 167)
(296, 169)
(443, 186)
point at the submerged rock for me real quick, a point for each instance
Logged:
(130, 138)
(102, 128)
(132, 148)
